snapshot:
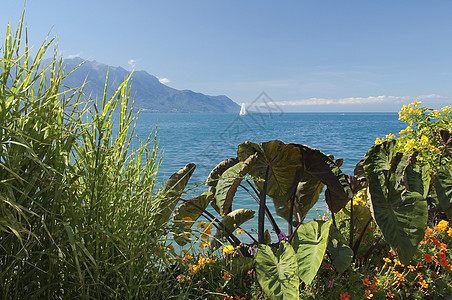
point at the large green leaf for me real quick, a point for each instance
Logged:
(310, 243)
(191, 209)
(325, 169)
(170, 195)
(278, 274)
(382, 157)
(396, 191)
(443, 188)
(340, 253)
(284, 163)
(232, 221)
(307, 194)
(228, 183)
(215, 174)
(400, 215)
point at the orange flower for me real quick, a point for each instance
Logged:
(429, 231)
(239, 298)
(228, 297)
(412, 268)
(443, 262)
(442, 225)
(387, 260)
(428, 258)
(374, 288)
(345, 296)
(366, 281)
(376, 280)
(434, 275)
(398, 263)
(423, 283)
(369, 294)
(204, 244)
(226, 276)
(390, 294)
(442, 246)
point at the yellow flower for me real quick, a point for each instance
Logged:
(390, 294)
(201, 224)
(449, 232)
(205, 234)
(204, 244)
(378, 141)
(415, 102)
(435, 114)
(446, 109)
(369, 294)
(228, 249)
(239, 231)
(202, 262)
(406, 130)
(390, 136)
(226, 276)
(387, 260)
(187, 220)
(194, 269)
(424, 140)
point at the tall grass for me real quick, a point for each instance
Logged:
(76, 198)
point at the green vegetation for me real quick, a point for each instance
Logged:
(81, 216)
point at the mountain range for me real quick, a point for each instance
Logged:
(149, 93)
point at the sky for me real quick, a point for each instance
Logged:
(316, 55)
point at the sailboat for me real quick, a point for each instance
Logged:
(243, 111)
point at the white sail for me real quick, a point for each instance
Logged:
(243, 111)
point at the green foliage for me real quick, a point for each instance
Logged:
(310, 243)
(340, 253)
(277, 273)
(76, 199)
(399, 210)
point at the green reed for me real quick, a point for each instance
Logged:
(77, 199)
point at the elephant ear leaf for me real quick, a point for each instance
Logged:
(232, 221)
(328, 172)
(341, 254)
(400, 214)
(308, 192)
(170, 195)
(446, 140)
(215, 174)
(228, 183)
(277, 273)
(443, 188)
(284, 162)
(310, 243)
(186, 214)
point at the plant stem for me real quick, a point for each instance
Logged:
(261, 217)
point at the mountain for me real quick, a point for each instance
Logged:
(150, 94)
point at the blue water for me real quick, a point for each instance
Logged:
(207, 139)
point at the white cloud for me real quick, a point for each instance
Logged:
(71, 56)
(132, 63)
(345, 101)
(164, 80)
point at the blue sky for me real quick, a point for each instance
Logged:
(306, 55)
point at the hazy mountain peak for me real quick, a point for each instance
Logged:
(151, 94)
